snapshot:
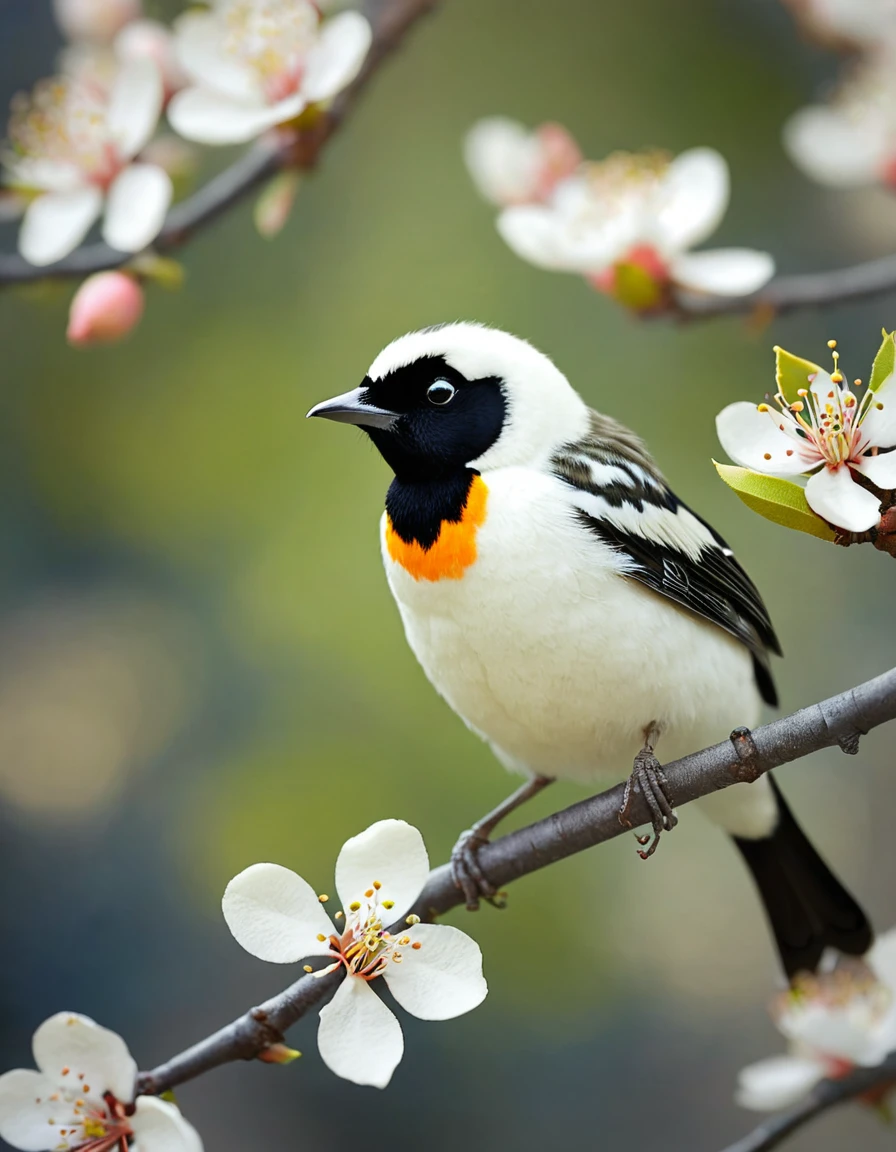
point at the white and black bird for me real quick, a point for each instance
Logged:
(570, 608)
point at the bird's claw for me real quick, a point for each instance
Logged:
(649, 779)
(467, 873)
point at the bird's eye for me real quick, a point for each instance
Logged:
(440, 392)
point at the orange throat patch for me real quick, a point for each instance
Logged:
(455, 548)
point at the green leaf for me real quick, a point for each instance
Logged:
(792, 373)
(884, 361)
(780, 501)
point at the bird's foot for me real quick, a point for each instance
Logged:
(467, 873)
(649, 779)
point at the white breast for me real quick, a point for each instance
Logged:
(557, 659)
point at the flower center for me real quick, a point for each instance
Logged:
(84, 1122)
(65, 121)
(365, 947)
(626, 180)
(825, 426)
(273, 37)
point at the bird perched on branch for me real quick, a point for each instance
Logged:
(571, 609)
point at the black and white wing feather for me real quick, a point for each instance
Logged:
(623, 499)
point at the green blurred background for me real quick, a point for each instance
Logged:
(201, 665)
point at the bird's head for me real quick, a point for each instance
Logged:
(461, 396)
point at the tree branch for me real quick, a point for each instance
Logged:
(787, 293)
(391, 21)
(828, 1094)
(839, 721)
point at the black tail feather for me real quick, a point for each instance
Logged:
(807, 906)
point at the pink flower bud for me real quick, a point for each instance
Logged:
(96, 20)
(105, 308)
(150, 40)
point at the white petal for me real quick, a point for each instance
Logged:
(136, 207)
(723, 271)
(835, 148)
(275, 914)
(200, 51)
(846, 1032)
(880, 470)
(542, 236)
(135, 105)
(211, 118)
(833, 494)
(359, 1038)
(391, 852)
(749, 436)
(23, 1122)
(502, 157)
(46, 175)
(694, 197)
(68, 1040)
(443, 978)
(879, 425)
(777, 1082)
(159, 1127)
(336, 58)
(882, 958)
(55, 224)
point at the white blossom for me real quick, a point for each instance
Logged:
(850, 140)
(511, 165)
(642, 211)
(73, 147)
(82, 1096)
(98, 21)
(861, 22)
(833, 1023)
(828, 431)
(432, 970)
(255, 64)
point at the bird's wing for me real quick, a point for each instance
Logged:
(622, 498)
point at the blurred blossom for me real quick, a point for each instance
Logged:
(860, 22)
(105, 308)
(259, 63)
(833, 1022)
(851, 140)
(432, 970)
(827, 425)
(148, 39)
(511, 165)
(83, 1096)
(75, 145)
(628, 223)
(91, 687)
(12, 204)
(95, 20)
(175, 155)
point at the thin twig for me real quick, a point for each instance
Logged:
(828, 1094)
(839, 721)
(391, 21)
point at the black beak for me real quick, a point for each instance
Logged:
(350, 408)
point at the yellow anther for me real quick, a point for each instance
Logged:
(321, 937)
(832, 344)
(387, 904)
(762, 408)
(416, 945)
(354, 906)
(837, 377)
(412, 919)
(767, 455)
(377, 885)
(369, 893)
(339, 915)
(323, 898)
(404, 940)
(307, 968)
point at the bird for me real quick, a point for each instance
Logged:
(572, 610)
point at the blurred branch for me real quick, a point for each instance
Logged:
(787, 293)
(839, 721)
(391, 21)
(828, 1094)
